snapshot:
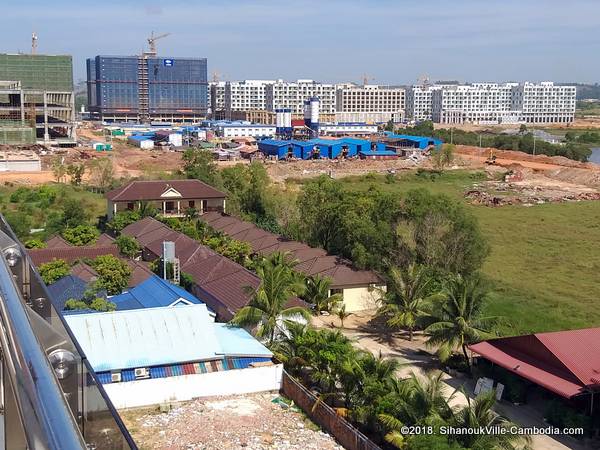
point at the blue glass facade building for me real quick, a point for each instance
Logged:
(133, 88)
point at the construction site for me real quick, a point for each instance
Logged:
(36, 99)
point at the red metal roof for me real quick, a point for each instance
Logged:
(564, 362)
(152, 190)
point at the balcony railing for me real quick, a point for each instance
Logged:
(50, 397)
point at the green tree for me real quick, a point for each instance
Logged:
(73, 213)
(342, 314)
(456, 320)
(113, 273)
(479, 413)
(268, 308)
(102, 173)
(80, 235)
(20, 222)
(97, 304)
(54, 270)
(35, 243)
(443, 157)
(122, 219)
(59, 170)
(128, 246)
(407, 290)
(76, 172)
(317, 292)
(200, 164)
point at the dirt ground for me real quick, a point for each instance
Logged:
(250, 421)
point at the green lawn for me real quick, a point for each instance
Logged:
(545, 259)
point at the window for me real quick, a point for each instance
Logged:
(130, 206)
(192, 204)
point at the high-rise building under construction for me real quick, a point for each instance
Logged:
(147, 88)
(36, 99)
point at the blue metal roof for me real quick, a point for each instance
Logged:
(152, 293)
(413, 138)
(153, 337)
(378, 152)
(238, 342)
(275, 142)
(66, 288)
(137, 137)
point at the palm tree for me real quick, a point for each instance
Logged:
(407, 290)
(291, 349)
(317, 292)
(479, 413)
(342, 314)
(457, 321)
(419, 401)
(267, 308)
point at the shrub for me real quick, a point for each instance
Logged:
(54, 270)
(113, 273)
(128, 246)
(80, 235)
(35, 243)
(562, 415)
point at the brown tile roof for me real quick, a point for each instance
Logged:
(152, 190)
(70, 254)
(220, 282)
(312, 260)
(57, 241)
(84, 271)
(139, 272)
(104, 239)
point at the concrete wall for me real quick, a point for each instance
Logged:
(155, 391)
(361, 298)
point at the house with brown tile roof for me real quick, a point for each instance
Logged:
(70, 254)
(171, 198)
(57, 241)
(218, 281)
(360, 289)
(104, 239)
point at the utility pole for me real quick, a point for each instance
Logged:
(479, 140)
(534, 143)
(451, 135)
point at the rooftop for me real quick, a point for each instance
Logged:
(564, 362)
(155, 190)
(156, 336)
(312, 260)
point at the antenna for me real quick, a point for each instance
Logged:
(152, 41)
(34, 39)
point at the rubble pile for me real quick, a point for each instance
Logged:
(253, 421)
(523, 195)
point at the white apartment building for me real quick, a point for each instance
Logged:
(284, 94)
(545, 102)
(479, 103)
(369, 103)
(247, 95)
(493, 103)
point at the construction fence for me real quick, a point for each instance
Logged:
(325, 416)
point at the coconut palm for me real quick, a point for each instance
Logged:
(457, 321)
(317, 292)
(342, 314)
(291, 349)
(419, 400)
(407, 291)
(479, 413)
(267, 308)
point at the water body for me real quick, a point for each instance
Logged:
(595, 156)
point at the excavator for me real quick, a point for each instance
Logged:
(491, 159)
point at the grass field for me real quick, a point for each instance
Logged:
(545, 260)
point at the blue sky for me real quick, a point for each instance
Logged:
(331, 40)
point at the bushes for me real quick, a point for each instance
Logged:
(80, 235)
(113, 273)
(563, 416)
(54, 270)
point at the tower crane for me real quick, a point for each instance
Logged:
(152, 41)
(366, 78)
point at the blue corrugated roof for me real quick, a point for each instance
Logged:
(377, 152)
(275, 142)
(66, 288)
(154, 292)
(237, 341)
(140, 138)
(147, 337)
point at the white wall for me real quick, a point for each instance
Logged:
(362, 298)
(155, 391)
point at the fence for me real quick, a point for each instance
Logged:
(325, 416)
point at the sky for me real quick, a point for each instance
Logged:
(392, 42)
